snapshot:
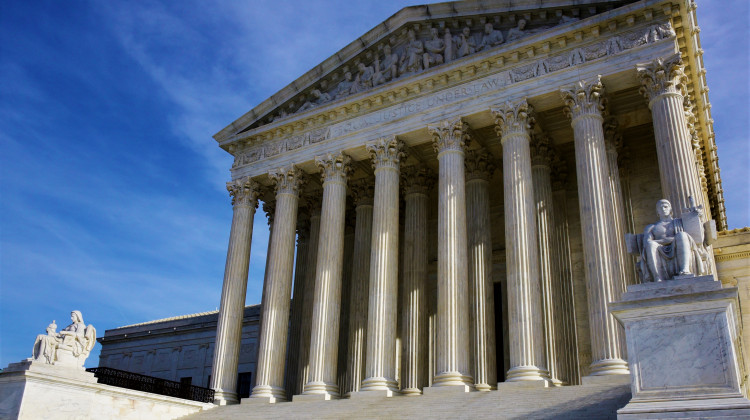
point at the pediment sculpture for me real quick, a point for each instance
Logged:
(673, 248)
(69, 347)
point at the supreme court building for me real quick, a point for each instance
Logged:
(456, 185)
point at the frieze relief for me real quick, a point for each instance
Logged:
(526, 71)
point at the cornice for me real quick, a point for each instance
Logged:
(507, 56)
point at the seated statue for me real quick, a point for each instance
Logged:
(672, 247)
(71, 346)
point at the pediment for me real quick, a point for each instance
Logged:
(414, 40)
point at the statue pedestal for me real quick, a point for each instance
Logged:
(683, 349)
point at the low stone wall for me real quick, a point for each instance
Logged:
(34, 390)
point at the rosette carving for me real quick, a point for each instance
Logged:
(334, 167)
(513, 118)
(288, 180)
(449, 135)
(386, 152)
(665, 75)
(479, 164)
(244, 192)
(584, 98)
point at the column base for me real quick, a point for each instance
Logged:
(452, 379)
(320, 391)
(266, 393)
(484, 387)
(526, 373)
(225, 397)
(379, 384)
(609, 367)
(411, 392)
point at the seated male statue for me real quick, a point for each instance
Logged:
(671, 247)
(71, 346)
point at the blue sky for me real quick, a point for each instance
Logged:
(112, 195)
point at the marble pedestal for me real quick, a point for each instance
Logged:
(682, 350)
(35, 390)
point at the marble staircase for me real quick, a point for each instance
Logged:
(592, 401)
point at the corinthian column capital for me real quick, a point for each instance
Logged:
(244, 192)
(479, 164)
(386, 152)
(585, 98)
(449, 135)
(663, 76)
(269, 207)
(542, 151)
(513, 118)
(288, 180)
(417, 179)
(334, 167)
(363, 191)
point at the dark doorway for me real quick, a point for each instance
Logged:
(244, 384)
(185, 386)
(499, 344)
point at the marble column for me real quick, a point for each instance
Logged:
(362, 192)
(527, 361)
(452, 359)
(612, 143)
(541, 160)
(346, 290)
(303, 368)
(298, 292)
(584, 105)
(324, 333)
(386, 154)
(244, 192)
(569, 372)
(274, 318)
(664, 85)
(479, 169)
(417, 182)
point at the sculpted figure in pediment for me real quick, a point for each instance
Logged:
(451, 45)
(467, 43)
(435, 48)
(317, 98)
(345, 87)
(386, 70)
(411, 61)
(491, 38)
(364, 78)
(518, 31)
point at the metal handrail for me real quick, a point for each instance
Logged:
(138, 382)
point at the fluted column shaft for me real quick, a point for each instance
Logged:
(584, 105)
(324, 335)
(360, 286)
(414, 338)
(663, 83)
(452, 359)
(381, 321)
(527, 359)
(479, 168)
(303, 369)
(295, 321)
(272, 341)
(244, 194)
(611, 142)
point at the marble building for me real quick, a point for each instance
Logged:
(456, 185)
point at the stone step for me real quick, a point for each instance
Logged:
(598, 401)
